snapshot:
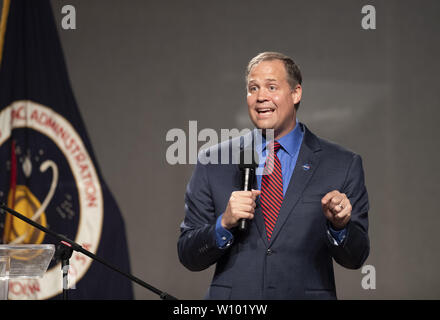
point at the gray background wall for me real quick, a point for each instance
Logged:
(141, 68)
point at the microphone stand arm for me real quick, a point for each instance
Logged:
(73, 246)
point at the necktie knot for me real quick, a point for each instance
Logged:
(275, 145)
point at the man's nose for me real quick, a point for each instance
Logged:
(262, 95)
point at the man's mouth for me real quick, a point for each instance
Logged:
(265, 110)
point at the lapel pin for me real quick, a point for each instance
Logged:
(306, 167)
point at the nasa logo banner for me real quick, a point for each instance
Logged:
(56, 184)
(47, 168)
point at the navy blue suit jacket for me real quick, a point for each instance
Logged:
(297, 262)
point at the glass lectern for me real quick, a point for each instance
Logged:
(26, 261)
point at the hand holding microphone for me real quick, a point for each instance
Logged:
(241, 205)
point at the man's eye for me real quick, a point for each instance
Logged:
(252, 89)
(272, 88)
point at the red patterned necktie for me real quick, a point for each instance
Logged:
(271, 196)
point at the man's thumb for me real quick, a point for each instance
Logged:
(256, 192)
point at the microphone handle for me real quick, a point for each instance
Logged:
(243, 223)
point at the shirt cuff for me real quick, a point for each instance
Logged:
(337, 237)
(223, 237)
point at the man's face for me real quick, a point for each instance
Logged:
(270, 98)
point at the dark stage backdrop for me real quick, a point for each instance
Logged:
(141, 68)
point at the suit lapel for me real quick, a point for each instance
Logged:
(259, 221)
(306, 165)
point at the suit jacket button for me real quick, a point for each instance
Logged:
(269, 252)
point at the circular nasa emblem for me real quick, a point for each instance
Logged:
(52, 181)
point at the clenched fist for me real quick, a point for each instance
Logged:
(241, 205)
(337, 209)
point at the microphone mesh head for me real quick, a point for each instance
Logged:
(248, 159)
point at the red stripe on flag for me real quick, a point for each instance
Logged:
(13, 176)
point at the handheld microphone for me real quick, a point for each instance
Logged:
(248, 177)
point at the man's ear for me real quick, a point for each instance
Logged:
(297, 94)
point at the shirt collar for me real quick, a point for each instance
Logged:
(290, 142)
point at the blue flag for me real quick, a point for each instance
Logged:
(48, 171)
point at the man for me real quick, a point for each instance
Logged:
(310, 207)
